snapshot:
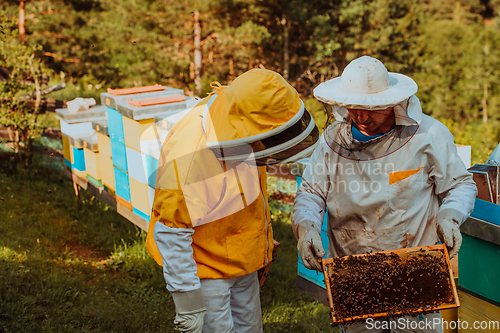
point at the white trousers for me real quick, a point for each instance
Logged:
(429, 323)
(233, 305)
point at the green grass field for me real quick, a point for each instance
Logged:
(66, 268)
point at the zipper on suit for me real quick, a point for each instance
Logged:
(265, 215)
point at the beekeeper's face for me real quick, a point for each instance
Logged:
(372, 122)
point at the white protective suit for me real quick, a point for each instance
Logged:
(391, 201)
(387, 194)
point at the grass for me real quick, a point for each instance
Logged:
(66, 268)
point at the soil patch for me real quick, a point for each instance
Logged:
(85, 252)
(283, 197)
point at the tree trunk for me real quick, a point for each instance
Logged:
(38, 93)
(197, 52)
(22, 21)
(485, 104)
(231, 67)
(286, 55)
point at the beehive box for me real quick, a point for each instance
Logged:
(73, 145)
(116, 128)
(103, 159)
(93, 113)
(131, 125)
(74, 127)
(113, 96)
(92, 165)
(306, 273)
(480, 252)
(389, 284)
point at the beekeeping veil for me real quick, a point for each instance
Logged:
(260, 117)
(366, 84)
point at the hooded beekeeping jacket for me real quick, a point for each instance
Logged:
(384, 194)
(238, 239)
(212, 210)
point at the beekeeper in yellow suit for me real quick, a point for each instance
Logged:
(388, 175)
(210, 227)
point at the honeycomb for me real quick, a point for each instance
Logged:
(388, 284)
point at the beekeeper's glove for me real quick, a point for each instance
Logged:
(309, 245)
(190, 311)
(448, 229)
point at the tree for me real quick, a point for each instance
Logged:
(23, 73)
(480, 65)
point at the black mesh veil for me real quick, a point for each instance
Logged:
(338, 136)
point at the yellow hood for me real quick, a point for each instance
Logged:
(257, 102)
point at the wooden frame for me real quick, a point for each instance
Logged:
(486, 179)
(441, 247)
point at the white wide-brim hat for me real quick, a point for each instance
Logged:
(366, 84)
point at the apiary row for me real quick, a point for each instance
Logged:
(116, 146)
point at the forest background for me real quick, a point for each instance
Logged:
(71, 266)
(450, 48)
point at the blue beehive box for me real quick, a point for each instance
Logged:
(79, 157)
(141, 214)
(480, 252)
(117, 139)
(122, 184)
(312, 275)
(75, 126)
(118, 108)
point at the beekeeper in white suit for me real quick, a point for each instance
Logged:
(389, 175)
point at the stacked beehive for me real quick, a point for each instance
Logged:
(76, 128)
(135, 140)
(120, 150)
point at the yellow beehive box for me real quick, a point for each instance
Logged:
(66, 150)
(71, 157)
(107, 173)
(104, 144)
(91, 153)
(104, 161)
(476, 315)
(91, 163)
(136, 131)
(79, 173)
(151, 197)
(139, 195)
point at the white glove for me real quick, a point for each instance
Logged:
(310, 245)
(190, 311)
(448, 229)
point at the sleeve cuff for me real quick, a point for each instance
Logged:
(452, 213)
(187, 302)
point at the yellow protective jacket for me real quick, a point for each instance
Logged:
(225, 204)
